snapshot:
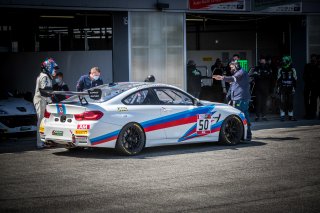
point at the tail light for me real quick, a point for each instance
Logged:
(46, 114)
(89, 115)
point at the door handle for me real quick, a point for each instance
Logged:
(166, 109)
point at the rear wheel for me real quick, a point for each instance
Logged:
(231, 130)
(131, 139)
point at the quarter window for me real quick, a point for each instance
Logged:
(170, 96)
(141, 97)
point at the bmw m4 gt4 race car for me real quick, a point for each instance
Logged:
(129, 116)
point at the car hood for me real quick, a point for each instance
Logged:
(16, 106)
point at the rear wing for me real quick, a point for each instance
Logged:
(94, 94)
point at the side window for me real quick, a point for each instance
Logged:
(168, 96)
(142, 97)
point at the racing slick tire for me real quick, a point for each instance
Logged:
(131, 139)
(231, 130)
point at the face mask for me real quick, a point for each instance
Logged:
(96, 77)
(58, 80)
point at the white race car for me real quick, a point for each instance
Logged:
(16, 114)
(129, 116)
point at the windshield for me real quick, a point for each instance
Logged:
(109, 91)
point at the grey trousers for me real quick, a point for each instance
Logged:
(40, 108)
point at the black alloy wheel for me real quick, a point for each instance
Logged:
(231, 130)
(131, 139)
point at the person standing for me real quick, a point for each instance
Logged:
(262, 76)
(90, 80)
(219, 87)
(59, 85)
(44, 81)
(239, 91)
(315, 94)
(309, 79)
(286, 81)
(193, 79)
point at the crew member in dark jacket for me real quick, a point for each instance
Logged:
(239, 91)
(262, 76)
(310, 87)
(59, 85)
(93, 79)
(193, 79)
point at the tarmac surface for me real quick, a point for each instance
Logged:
(279, 171)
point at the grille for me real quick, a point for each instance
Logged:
(19, 120)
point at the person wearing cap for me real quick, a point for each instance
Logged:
(239, 91)
(44, 82)
(193, 79)
(90, 80)
(59, 85)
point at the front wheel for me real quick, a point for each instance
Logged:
(131, 139)
(231, 130)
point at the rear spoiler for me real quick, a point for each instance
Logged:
(94, 94)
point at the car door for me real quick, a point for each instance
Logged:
(177, 111)
(142, 107)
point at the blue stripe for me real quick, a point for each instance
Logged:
(177, 116)
(64, 109)
(156, 121)
(103, 137)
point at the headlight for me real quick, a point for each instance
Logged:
(2, 112)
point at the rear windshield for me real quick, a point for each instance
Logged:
(109, 91)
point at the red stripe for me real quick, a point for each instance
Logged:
(171, 124)
(216, 129)
(105, 140)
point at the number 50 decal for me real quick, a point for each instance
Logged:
(204, 123)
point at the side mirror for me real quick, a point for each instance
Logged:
(197, 102)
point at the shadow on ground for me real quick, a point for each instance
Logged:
(101, 153)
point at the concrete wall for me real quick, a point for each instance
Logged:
(20, 70)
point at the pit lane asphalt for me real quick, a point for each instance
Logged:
(279, 171)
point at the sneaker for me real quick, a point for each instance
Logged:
(257, 119)
(264, 118)
(282, 118)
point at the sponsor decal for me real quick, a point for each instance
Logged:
(122, 109)
(41, 129)
(83, 126)
(95, 94)
(61, 109)
(81, 132)
(226, 5)
(57, 132)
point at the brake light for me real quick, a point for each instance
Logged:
(46, 113)
(89, 115)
